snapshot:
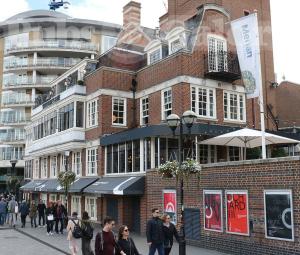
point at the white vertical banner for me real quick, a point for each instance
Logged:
(246, 35)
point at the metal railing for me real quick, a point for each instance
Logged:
(14, 119)
(14, 81)
(223, 65)
(16, 98)
(42, 62)
(57, 44)
(12, 137)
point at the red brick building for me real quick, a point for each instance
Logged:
(188, 63)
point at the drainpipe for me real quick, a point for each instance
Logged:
(133, 89)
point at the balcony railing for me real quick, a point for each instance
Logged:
(223, 66)
(12, 138)
(56, 45)
(4, 178)
(43, 63)
(16, 99)
(40, 80)
(14, 120)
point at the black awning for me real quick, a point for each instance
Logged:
(164, 130)
(81, 183)
(30, 186)
(51, 185)
(125, 185)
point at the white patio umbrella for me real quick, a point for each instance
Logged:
(247, 138)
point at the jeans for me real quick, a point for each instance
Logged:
(23, 220)
(41, 216)
(167, 251)
(2, 218)
(33, 220)
(61, 225)
(158, 247)
(86, 247)
(12, 219)
(49, 226)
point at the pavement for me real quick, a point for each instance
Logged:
(35, 241)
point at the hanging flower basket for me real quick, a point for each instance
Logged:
(169, 169)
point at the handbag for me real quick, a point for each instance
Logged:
(16, 209)
(50, 217)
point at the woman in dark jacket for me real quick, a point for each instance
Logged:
(126, 243)
(50, 218)
(169, 231)
(87, 234)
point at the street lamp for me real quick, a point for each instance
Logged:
(13, 163)
(188, 118)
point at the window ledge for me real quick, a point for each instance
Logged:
(235, 121)
(207, 118)
(126, 174)
(91, 127)
(119, 126)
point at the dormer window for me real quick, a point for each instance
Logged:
(154, 56)
(154, 51)
(176, 39)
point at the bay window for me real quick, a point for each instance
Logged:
(77, 163)
(53, 166)
(76, 205)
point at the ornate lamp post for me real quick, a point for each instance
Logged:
(188, 118)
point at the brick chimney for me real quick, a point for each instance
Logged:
(132, 14)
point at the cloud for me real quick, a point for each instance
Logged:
(12, 8)
(111, 11)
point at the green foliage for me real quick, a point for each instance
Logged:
(65, 180)
(80, 82)
(169, 169)
(278, 153)
(12, 184)
(254, 153)
(172, 169)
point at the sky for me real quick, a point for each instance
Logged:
(285, 18)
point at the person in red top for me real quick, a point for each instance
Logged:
(106, 243)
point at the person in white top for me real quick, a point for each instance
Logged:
(73, 242)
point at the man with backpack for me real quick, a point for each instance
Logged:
(87, 234)
(106, 243)
(74, 233)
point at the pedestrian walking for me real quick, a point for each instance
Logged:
(170, 232)
(3, 208)
(41, 210)
(87, 234)
(106, 243)
(125, 242)
(50, 218)
(24, 210)
(155, 235)
(33, 214)
(60, 213)
(13, 211)
(73, 241)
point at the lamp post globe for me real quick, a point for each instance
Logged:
(173, 121)
(189, 118)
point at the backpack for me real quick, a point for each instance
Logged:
(77, 231)
(88, 231)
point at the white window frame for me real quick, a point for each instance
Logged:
(92, 122)
(89, 163)
(208, 103)
(177, 38)
(102, 42)
(77, 165)
(52, 196)
(163, 109)
(238, 106)
(281, 192)
(242, 192)
(44, 166)
(52, 175)
(142, 111)
(217, 39)
(78, 207)
(44, 198)
(124, 124)
(36, 168)
(151, 52)
(63, 162)
(89, 209)
(240, 153)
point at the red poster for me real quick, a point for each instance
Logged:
(213, 210)
(237, 213)
(170, 205)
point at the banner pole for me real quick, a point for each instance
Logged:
(262, 123)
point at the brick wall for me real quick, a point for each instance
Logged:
(253, 176)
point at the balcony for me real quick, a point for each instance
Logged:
(41, 64)
(16, 100)
(222, 66)
(5, 178)
(13, 139)
(14, 120)
(50, 99)
(28, 82)
(57, 45)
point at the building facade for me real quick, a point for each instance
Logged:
(37, 47)
(112, 131)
